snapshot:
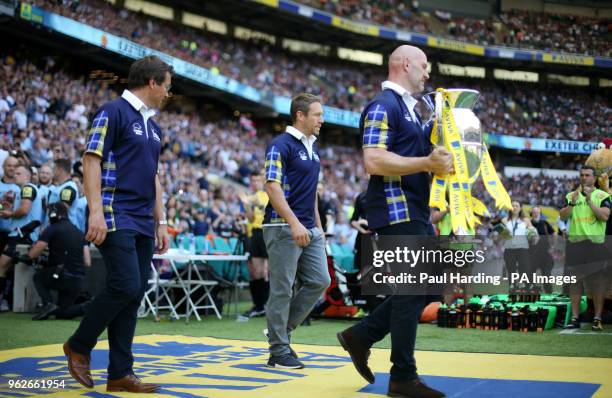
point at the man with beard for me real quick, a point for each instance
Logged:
(398, 156)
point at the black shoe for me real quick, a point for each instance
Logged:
(286, 361)
(574, 324)
(44, 313)
(597, 325)
(359, 353)
(254, 313)
(39, 307)
(293, 353)
(412, 389)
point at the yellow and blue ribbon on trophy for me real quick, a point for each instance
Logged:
(462, 206)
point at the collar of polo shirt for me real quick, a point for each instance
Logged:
(308, 142)
(137, 104)
(409, 100)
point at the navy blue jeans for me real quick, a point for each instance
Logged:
(398, 315)
(127, 256)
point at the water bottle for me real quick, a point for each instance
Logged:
(478, 318)
(442, 316)
(192, 247)
(516, 321)
(542, 318)
(460, 316)
(469, 318)
(452, 317)
(486, 318)
(181, 246)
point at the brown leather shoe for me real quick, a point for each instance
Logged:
(358, 352)
(412, 389)
(78, 365)
(130, 383)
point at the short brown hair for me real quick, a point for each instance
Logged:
(63, 164)
(147, 68)
(301, 103)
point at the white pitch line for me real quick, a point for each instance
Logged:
(579, 333)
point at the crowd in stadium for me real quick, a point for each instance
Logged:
(45, 113)
(505, 108)
(165, 167)
(515, 28)
(572, 34)
(539, 190)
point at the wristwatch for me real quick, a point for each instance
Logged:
(162, 222)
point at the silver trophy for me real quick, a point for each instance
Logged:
(461, 102)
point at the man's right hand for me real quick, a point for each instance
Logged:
(440, 161)
(362, 227)
(300, 236)
(96, 232)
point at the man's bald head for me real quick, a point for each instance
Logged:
(405, 52)
(408, 68)
(9, 165)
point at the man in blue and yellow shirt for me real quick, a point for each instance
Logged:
(292, 228)
(398, 156)
(126, 220)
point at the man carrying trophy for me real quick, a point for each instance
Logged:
(399, 157)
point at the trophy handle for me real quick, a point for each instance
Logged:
(438, 112)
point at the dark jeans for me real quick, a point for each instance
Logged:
(517, 260)
(68, 288)
(127, 255)
(541, 259)
(398, 314)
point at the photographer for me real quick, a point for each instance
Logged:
(65, 270)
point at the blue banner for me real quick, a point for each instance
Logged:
(540, 144)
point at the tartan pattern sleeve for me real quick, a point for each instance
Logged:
(274, 165)
(97, 138)
(376, 128)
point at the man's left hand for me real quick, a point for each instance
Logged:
(161, 239)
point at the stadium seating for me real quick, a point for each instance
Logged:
(515, 108)
(516, 28)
